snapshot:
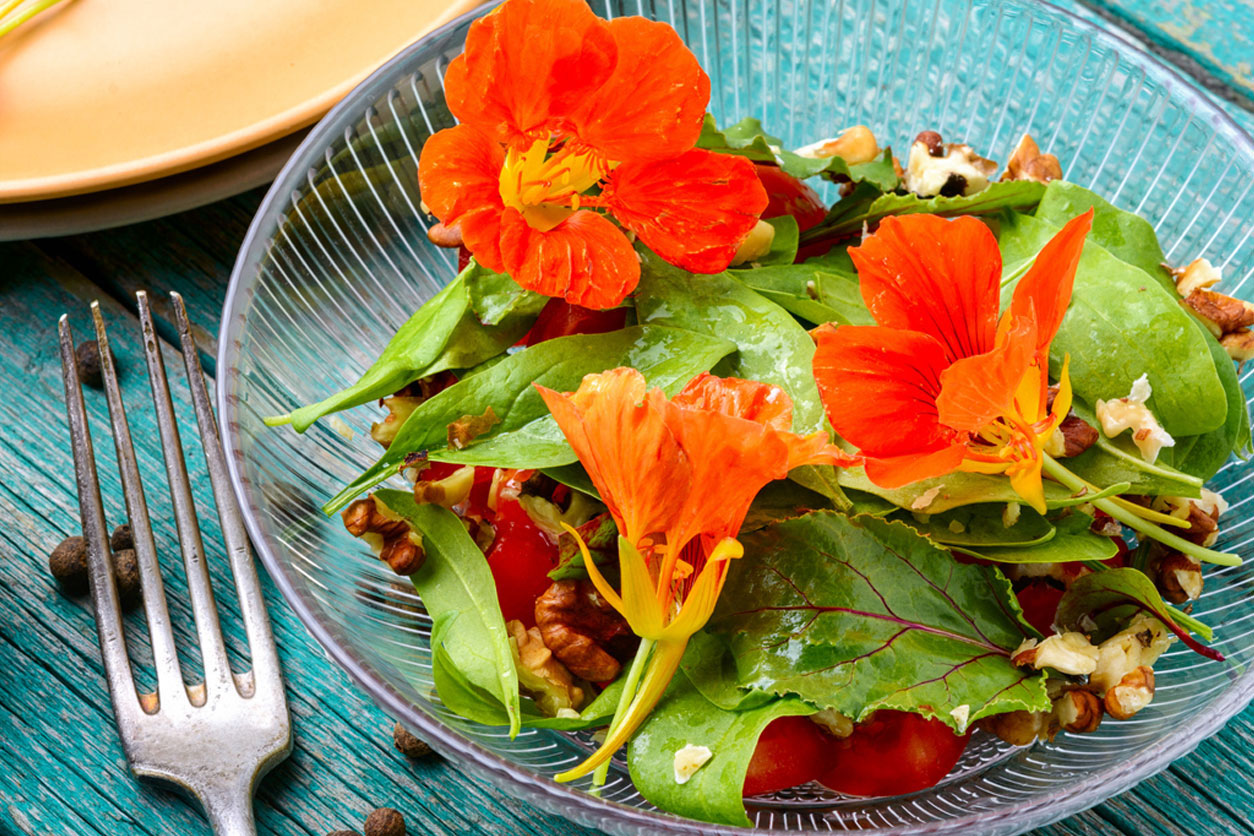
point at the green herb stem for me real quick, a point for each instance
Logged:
(624, 702)
(1131, 520)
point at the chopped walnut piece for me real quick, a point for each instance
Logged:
(1198, 274)
(1222, 314)
(449, 491)
(1132, 693)
(1131, 413)
(1140, 643)
(542, 676)
(854, 145)
(1028, 163)
(1078, 711)
(399, 408)
(1239, 345)
(1177, 576)
(445, 236)
(469, 427)
(1019, 728)
(390, 536)
(1074, 435)
(1069, 653)
(583, 630)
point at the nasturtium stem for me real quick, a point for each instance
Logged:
(624, 701)
(1136, 523)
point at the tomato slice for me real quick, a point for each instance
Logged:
(520, 559)
(789, 196)
(790, 751)
(892, 753)
(1039, 600)
(559, 318)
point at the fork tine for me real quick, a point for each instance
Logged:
(164, 655)
(266, 673)
(103, 589)
(204, 609)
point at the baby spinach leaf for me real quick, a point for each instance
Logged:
(527, 436)
(464, 698)
(934, 496)
(685, 717)
(456, 585)
(1072, 541)
(858, 614)
(573, 476)
(809, 292)
(781, 500)
(710, 667)
(1122, 324)
(982, 525)
(1127, 236)
(867, 206)
(747, 138)
(772, 347)
(1203, 455)
(1114, 460)
(444, 334)
(784, 244)
(494, 296)
(1110, 598)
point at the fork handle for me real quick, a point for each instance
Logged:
(230, 811)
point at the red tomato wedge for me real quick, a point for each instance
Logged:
(520, 559)
(559, 318)
(1039, 600)
(790, 751)
(790, 196)
(892, 753)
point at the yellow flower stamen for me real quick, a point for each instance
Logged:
(548, 189)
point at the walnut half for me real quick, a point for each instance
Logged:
(582, 629)
(390, 536)
(1028, 163)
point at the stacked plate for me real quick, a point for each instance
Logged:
(120, 111)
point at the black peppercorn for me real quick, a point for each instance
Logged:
(87, 357)
(407, 744)
(122, 538)
(384, 822)
(126, 575)
(68, 564)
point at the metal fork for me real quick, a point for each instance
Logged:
(215, 739)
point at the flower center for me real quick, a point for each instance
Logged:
(547, 188)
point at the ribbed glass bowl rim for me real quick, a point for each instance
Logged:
(549, 795)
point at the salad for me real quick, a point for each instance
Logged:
(767, 490)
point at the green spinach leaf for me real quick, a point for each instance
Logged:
(784, 244)
(868, 206)
(1071, 541)
(1122, 324)
(685, 717)
(444, 334)
(772, 347)
(934, 496)
(527, 436)
(746, 138)
(456, 587)
(1128, 237)
(809, 292)
(859, 614)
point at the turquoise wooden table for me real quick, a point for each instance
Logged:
(62, 770)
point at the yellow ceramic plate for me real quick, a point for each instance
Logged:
(96, 94)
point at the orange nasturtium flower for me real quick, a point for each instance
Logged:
(941, 383)
(568, 120)
(678, 477)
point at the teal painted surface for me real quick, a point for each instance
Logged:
(61, 767)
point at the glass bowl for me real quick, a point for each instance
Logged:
(337, 258)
